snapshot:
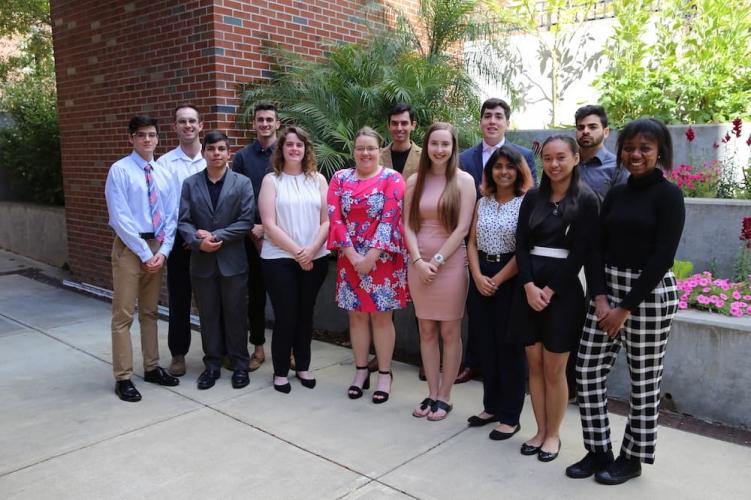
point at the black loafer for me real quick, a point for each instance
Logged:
(591, 463)
(497, 435)
(207, 379)
(549, 456)
(310, 383)
(529, 450)
(240, 379)
(160, 376)
(477, 421)
(620, 471)
(126, 391)
(283, 388)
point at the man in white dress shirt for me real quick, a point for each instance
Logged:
(141, 201)
(182, 162)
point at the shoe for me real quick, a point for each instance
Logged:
(383, 396)
(529, 450)
(421, 374)
(126, 391)
(283, 388)
(620, 471)
(207, 379)
(423, 409)
(240, 379)
(177, 366)
(160, 376)
(548, 456)
(255, 362)
(355, 392)
(468, 374)
(592, 463)
(478, 421)
(292, 362)
(310, 383)
(439, 405)
(497, 435)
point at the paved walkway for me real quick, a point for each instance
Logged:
(64, 433)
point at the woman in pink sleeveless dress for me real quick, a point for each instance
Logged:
(438, 209)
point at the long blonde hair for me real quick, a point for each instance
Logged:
(450, 200)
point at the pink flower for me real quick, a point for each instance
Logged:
(736, 312)
(704, 282)
(682, 305)
(706, 289)
(737, 295)
(702, 299)
(747, 297)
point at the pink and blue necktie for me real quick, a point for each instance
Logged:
(156, 215)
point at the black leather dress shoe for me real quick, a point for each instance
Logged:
(160, 376)
(619, 471)
(207, 379)
(549, 456)
(240, 379)
(591, 463)
(478, 421)
(497, 435)
(126, 391)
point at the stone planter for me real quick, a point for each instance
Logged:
(706, 369)
(34, 231)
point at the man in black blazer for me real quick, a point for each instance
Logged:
(494, 120)
(216, 213)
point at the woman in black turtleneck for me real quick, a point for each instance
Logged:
(635, 300)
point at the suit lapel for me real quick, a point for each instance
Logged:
(204, 190)
(229, 184)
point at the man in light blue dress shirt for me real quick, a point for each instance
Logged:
(141, 201)
(597, 166)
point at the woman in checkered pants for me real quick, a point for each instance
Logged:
(635, 300)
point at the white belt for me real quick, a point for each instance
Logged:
(556, 253)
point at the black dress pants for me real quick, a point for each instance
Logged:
(180, 296)
(293, 294)
(503, 362)
(256, 295)
(224, 327)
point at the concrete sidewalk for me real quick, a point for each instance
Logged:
(65, 434)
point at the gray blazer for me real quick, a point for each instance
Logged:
(230, 223)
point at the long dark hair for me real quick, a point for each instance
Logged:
(568, 206)
(654, 129)
(523, 175)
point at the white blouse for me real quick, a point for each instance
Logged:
(298, 213)
(496, 225)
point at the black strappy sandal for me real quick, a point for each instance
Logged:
(355, 392)
(382, 396)
(424, 405)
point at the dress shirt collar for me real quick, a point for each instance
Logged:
(180, 153)
(601, 157)
(140, 162)
(261, 150)
(486, 148)
(220, 181)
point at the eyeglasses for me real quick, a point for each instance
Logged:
(144, 135)
(369, 149)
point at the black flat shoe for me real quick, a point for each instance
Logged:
(549, 456)
(591, 463)
(355, 392)
(424, 408)
(478, 421)
(620, 471)
(529, 450)
(126, 391)
(380, 397)
(310, 383)
(160, 376)
(240, 379)
(207, 379)
(284, 388)
(497, 435)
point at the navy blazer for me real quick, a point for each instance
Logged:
(470, 160)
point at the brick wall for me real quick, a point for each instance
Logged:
(119, 58)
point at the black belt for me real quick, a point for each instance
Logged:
(494, 257)
(147, 236)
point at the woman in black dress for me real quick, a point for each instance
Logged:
(635, 300)
(552, 242)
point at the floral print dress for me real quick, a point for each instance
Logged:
(365, 214)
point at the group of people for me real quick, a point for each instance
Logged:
(577, 264)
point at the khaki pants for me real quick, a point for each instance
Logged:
(130, 282)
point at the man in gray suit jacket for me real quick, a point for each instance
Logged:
(216, 212)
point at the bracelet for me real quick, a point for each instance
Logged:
(417, 260)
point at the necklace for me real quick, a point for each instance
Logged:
(555, 207)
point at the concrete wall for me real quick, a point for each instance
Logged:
(706, 369)
(34, 231)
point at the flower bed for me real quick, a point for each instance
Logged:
(705, 293)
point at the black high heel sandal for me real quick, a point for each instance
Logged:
(383, 396)
(355, 392)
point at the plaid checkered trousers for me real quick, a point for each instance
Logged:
(645, 338)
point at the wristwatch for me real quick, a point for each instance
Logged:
(439, 259)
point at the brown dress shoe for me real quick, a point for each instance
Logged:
(468, 374)
(255, 362)
(177, 366)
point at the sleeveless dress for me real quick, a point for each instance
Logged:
(444, 298)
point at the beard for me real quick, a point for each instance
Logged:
(591, 142)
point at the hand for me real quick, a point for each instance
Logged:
(613, 323)
(426, 271)
(154, 264)
(208, 245)
(257, 231)
(536, 297)
(304, 255)
(485, 285)
(602, 307)
(306, 267)
(202, 234)
(548, 293)
(365, 265)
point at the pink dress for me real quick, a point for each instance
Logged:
(445, 297)
(365, 214)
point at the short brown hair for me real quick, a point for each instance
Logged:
(308, 159)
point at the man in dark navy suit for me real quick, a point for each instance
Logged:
(494, 119)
